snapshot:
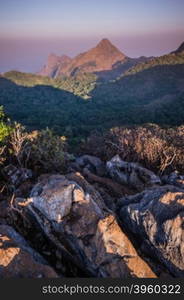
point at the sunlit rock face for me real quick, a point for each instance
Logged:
(101, 58)
(18, 259)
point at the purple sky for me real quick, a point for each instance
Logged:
(30, 30)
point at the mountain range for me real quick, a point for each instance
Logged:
(78, 97)
(105, 60)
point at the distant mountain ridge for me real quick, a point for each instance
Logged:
(100, 58)
(174, 58)
(105, 60)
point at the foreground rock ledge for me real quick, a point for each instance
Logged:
(72, 214)
(156, 218)
(18, 260)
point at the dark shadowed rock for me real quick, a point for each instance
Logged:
(17, 259)
(131, 174)
(93, 163)
(179, 50)
(15, 175)
(72, 214)
(156, 219)
(3, 211)
(174, 179)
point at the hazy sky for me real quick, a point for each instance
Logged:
(30, 30)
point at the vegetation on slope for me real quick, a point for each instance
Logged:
(168, 59)
(42, 151)
(150, 96)
(76, 106)
(158, 149)
(80, 85)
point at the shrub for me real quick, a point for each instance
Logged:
(5, 130)
(48, 151)
(4, 127)
(19, 144)
(154, 147)
(41, 151)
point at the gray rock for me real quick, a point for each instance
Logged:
(54, 199)
(93, 163)
(131, 174)
(155, 217)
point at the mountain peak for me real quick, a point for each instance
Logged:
(105, 44)
(100, 58)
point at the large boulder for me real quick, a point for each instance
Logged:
(72, 214)
(18, 259)
(131, 174)
(156, 217)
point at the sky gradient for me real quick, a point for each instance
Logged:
(30, 30)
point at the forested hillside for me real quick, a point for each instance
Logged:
(75, 106)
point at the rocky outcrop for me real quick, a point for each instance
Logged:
(155, 217)
(18, 259)
(82, 227)
(131, 174)
(54, 65)
(74, 217)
